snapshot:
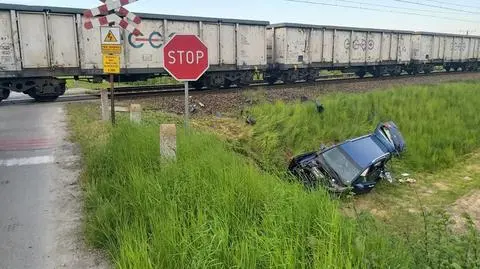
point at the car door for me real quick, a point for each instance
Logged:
(391, 137)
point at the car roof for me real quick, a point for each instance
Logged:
(365, 150)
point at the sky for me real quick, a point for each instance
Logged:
(437, 15)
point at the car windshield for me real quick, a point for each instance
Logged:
(341, 164)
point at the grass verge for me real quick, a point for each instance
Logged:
(211, 209)
(215, 209)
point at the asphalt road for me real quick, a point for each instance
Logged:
(40, 198)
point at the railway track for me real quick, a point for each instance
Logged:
(175, 89)
(123, 93)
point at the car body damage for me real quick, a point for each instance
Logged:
(355, 165)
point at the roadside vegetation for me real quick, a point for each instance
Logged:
(215, 208)
(440, 123)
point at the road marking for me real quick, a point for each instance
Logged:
(27, 161)
(26, 144)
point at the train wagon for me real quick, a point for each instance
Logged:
(452, 51)
(39, 45)
(299, 51)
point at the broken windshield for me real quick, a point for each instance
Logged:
(342, 165)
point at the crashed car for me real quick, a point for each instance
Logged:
(355, 165)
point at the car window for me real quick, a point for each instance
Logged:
(364, 174)
(387, 133)
(338, 161)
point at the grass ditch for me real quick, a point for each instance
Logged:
(440, 123)
(215, 209)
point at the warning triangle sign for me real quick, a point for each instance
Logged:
(110, 38)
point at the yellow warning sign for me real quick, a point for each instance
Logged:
(111, 49)
(111, 64)
(110, 35)
(110, 38)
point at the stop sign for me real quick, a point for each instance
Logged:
(185, 57)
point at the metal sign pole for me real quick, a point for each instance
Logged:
(112, 99)
(186, 106)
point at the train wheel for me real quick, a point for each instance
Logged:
(271, 80)
(198, 85)
(289, 78)
(4, 94)
(361, 74)
(39, 98)
(215, 81)
(227, 83)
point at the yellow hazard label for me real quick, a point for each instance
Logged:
(110, 38)
(111, 49)
(111, 64)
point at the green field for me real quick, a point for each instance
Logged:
(215, 208)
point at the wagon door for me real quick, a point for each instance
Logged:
(33, 39)
(7, 50)
(63, 40)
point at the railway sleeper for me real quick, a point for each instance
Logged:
(4, 94)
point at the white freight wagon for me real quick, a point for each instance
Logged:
(39, 44)
(298, 51)
(451, 51)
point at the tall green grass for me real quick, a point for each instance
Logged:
(440, 123)
(213, 209)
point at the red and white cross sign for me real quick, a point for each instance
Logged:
(113, 11)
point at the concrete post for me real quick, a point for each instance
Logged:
(105, 105)
(135, 113)
(168, 141)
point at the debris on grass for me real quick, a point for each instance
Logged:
(251, 120)
(408, 180)
(320, 107)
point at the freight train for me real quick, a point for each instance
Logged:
(39, 45)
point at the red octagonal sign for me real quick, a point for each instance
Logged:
(185, 57)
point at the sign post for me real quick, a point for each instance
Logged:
(111, 49)
(186, 59)
(187, 110)
(109, 13)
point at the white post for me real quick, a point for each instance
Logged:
(135, 113)
(168, 141)
(105, 105)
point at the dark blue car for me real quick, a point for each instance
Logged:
(356, 164)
